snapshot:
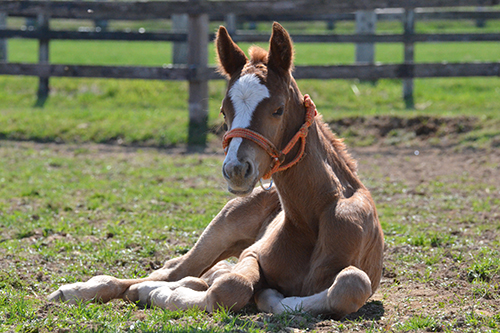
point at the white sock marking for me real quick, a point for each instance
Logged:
(181, 298)
(272, 301)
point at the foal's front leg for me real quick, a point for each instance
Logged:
(236, 227)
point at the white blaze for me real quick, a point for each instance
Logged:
(245, 94)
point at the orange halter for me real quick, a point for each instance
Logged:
(277, 156)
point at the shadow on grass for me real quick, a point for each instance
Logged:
(373, 310)
(252, 317)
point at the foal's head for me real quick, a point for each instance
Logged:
(263, 97)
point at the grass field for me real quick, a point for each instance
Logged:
(71, 212)
(91, 193)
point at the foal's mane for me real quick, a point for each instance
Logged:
(338, 145)
(260, 56)
(257, 55)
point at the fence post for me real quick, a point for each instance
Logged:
(366, 22)
(43, 58)
(480, 23)
(3, 42)
(100, 24)
(330, 24)
(30, 23)
(230, 24)
(179, 49)
(409, 27)
(198, 85)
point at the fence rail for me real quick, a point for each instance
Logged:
(160, 9)
(393, 14)
(251, 37)
(196, 70)
(180, 72)
(374, 38)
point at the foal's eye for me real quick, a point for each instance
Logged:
(224, 126)
(279, 111)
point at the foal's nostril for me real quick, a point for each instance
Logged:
(249, 170)
(224, 172)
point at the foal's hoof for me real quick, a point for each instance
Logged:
(56, 296)
(100, 288)
(68, 293)
(269, 300)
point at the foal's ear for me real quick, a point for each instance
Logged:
(231, 57)
(280, 49)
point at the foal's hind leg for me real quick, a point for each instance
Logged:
(350, 290)
(235, 228)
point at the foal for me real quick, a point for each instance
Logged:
(313, 242)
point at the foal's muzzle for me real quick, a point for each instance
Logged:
(240, 175)
(237, 170)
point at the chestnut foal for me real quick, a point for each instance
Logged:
(313, 242)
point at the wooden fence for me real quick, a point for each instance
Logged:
(197, 71)
(390, 14)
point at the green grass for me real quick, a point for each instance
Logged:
(94, 52)
(94, 188)
(69, 212)
(418, 322)
(154, 113)
(160, 53)
(97, 111)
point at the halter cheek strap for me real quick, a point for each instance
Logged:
(277, 156)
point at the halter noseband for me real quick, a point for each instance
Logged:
(277, 156)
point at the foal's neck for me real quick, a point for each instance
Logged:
(325, 174)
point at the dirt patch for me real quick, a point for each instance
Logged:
(397, 130)
(420, 164)
(394, 129)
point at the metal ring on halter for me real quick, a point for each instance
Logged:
(262, 185)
